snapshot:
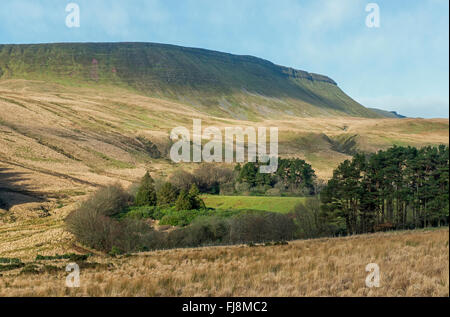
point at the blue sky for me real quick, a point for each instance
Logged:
(402, 66)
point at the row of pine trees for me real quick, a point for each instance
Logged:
(399, 188)
(167, 195)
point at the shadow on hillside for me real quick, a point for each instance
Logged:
(13, 191)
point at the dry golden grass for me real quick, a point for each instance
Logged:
(412, 263)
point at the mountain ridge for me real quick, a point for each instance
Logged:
(221, 84)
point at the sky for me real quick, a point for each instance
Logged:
(402, 65)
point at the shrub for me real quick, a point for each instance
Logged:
(9, 260)
(93, 230)
(260, 227)
(182, 180)
(146, 195)
(11, 266)
(30, 269)
(309, 221)
(194, 197)
(259, 189)
(306, 217)
(140, 212)
(203, 231)
(273, 192)
(190, 200)
(91, 222)
(227, 189)
(107, 201)
(209, 177)
(70, 256)
(208, 230)
(242, 188)
(167, 195)
(134, 234)
(115, 251)
(181, 217)
(183, 202)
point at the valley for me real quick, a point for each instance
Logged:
(77, 117)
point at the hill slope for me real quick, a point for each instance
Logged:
(226, 85)
(59, 142)
(388, 114)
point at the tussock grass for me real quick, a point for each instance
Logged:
(411, 263)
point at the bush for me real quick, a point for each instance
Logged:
(309, 221)
(209, 230)
(30, 269)
(11, 266)
(182, 218)
(140, 212)
(70, 256)
(91, 222)
(242, 188)
(203, 231)
(146, 195)
(259, 189)
(209, 177)
(273, 192)
(261, 227)
(194, 197)
(9, 260)
(183, 202)
(135, 235)
(107, 201)
(227, 189)
(115, 251)
(306, 217)
(190, 200)
(182, 180)
(167, 195)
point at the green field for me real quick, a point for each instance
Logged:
(275, 204)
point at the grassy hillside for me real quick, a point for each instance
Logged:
(275, 204)
(242, 87)
(58, 143)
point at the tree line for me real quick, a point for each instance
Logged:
(398, 188)
(293, 176)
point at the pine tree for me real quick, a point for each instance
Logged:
(183, 202)
(167, 195)
(194, 197)
(146, 195)
(402, 187)
(190, 200)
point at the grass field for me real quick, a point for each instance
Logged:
(275, 204)
(413, 263)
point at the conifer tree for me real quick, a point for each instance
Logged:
(146, 195)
